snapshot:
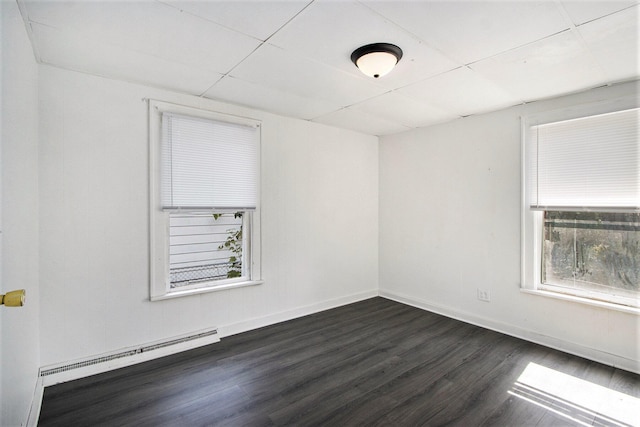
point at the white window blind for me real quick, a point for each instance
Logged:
(208, 163)
(586, 163)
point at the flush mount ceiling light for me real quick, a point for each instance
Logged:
(377, 59)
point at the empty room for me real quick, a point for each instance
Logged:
(320, 212)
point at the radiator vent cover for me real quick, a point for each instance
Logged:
(127, 353)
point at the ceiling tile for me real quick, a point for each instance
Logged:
(550, 67)
(259, 19)
(287, 72)
(361, 122)
(581, 11)
(461, 92)
(148, 27)
(353, 25)
(66, 50)
(263, 98)
(614, 42)
(404, 110)
(468, 31)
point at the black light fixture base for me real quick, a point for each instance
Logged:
(376, 47)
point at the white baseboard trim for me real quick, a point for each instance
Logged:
(36, 404)
(283, 316)
(517, 332)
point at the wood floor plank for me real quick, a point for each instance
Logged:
(376, 362)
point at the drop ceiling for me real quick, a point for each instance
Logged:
(292, 57)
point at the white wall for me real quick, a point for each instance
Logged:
(19, 348)
(450, 223)
(319, 221)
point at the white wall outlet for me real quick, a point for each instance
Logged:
(484, 295)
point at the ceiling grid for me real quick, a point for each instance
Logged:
(293, 57)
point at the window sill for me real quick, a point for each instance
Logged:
(187, 292)
(581, 300)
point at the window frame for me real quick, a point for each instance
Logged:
(532, 221)
(159, 226)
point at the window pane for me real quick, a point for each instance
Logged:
(205, 247)
(592, 252)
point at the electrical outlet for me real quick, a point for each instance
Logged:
(484, 295)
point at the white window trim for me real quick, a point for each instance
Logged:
(159, 219)
(531, 229)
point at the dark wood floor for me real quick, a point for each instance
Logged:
(375, 362)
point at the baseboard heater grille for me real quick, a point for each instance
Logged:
(127, 353)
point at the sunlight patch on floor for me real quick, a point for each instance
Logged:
(581, 401)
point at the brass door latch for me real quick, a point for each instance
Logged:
(13, 298)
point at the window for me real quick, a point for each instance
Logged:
(207, 246)
(204, 209)
(592, 254)
(581, 213)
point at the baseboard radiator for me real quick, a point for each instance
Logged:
(54, 374)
